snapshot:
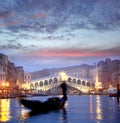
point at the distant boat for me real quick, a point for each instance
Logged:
(112, 91)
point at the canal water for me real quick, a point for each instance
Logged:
(78, 109)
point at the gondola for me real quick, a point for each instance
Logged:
(50, 104)
(53, 103)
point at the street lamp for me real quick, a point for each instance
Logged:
(3, 84)
(7, 84)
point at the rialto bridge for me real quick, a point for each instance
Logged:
(50, 82)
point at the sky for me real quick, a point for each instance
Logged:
(39, 34)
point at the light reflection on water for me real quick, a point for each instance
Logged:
(4, 110)
(24, 114)
(78, 109)
(98, 108)
(91, 108)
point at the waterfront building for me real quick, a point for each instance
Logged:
(116, 72)
(3, 60)
(109, 72)
(27, 77)
(10, 75)
(2, 75)
(27, 80)
(20, 76)
(3, 69)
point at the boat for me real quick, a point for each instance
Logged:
(112, 92)
(53, 103)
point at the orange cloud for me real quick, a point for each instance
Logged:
(10, 23)
(40, 15)
(74, 53)
(5, 14)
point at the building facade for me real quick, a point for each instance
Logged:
(27, 80)
(109, 72)
(9, 73)
(2, 75)
(20, 76)
(27, 77)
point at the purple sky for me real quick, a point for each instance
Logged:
(39, 34)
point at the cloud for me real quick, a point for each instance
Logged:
(11, 46)
(39, 15)
(59, 31)
(96, 14)
(5, 14)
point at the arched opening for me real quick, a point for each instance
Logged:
(74, 80)
(88, 84)
(36, 85)
(83, 83)
(69, 80)
(46, 82)
(55, 80)
(78, 81)
(50, 81)
(41, 83)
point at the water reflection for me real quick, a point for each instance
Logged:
(91, 105)
(64, 115)
(95, 108)
(4, 110)
(84, 109)
(64, 112)
(91, 108)
(26, 114)
(98, 108)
